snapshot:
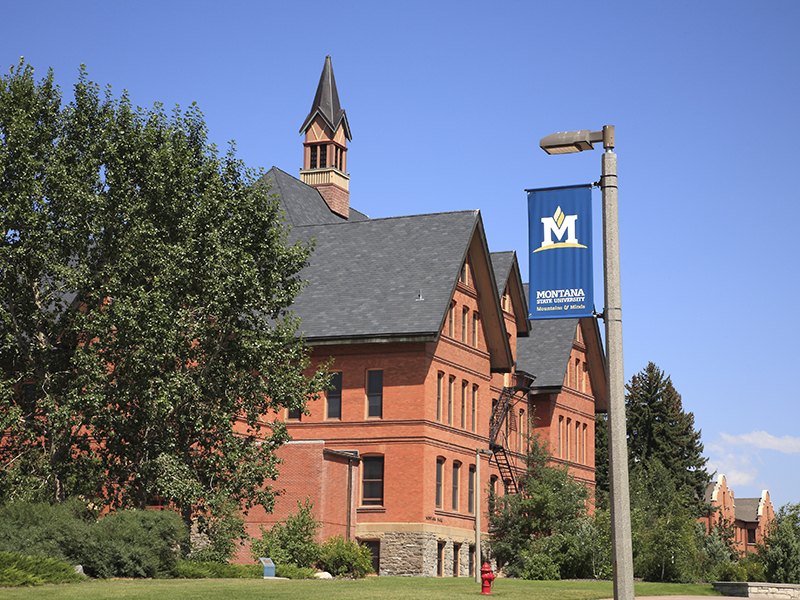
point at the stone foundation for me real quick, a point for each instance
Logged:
(416, 553)
(755, 589)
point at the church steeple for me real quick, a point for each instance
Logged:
(325, 147)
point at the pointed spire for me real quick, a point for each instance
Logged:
(326, 103)
(325, 147)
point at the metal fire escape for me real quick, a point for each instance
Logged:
(520, 386)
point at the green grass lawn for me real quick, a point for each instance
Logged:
(372, 588)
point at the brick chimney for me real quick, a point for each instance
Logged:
(325, 147)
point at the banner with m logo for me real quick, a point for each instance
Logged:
(560, 252)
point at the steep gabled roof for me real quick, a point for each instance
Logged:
(326, 102)
(747, 509)
(392, 279)
(302, 204)
(546, 352)
(506, 273)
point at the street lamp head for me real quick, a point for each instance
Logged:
(567, 142)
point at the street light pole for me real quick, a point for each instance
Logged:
(577, 141)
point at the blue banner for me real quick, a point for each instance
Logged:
(560, 252)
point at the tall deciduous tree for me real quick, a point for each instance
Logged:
(146, 286)
(549, 502)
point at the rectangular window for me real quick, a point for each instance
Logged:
(474, 406)
(456, 477)
(464, 388)
(372, 469)
(294, 414)
(374, 549)
(335, 397)
(472, 561)
(464, 323)
(471, 490)
(584, 444)
(751, 536)
(313, 162)
(586, 387)
(566, 439)
(560, 435)
(323, 157)
(374, 393)
(440, 559)
(450, 390)
(439, 393)
(451, 317)
(439, 476)
(456, 560)
(475, 320)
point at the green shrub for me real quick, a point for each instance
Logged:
(135, 543)
(123, 544)
(293, 572)
(291, 541)
(731, 572)
(344, 558)
(193, 569)
(57, 531)
(220, 536)
(19, 570)
(534, 565)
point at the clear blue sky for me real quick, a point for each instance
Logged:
(447, 102)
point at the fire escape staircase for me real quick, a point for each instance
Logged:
(521, 384)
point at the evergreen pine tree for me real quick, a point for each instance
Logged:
(659, 429)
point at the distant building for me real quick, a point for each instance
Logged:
(433, 356)
(749, 517)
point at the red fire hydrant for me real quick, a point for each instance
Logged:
(487, 577)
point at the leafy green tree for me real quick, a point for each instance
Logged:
(601, 462)
(549, 502)
(42, 242)
(780, 552)
(291, 541)
(145, 286)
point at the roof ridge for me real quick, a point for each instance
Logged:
(373, 220)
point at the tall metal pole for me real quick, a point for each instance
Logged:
(615, 378)
(478, 506)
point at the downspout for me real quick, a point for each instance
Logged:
(349, 496)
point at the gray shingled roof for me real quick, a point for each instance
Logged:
(546, 352)
(502, 263)
(747, 509)
(709, 492)
(301, 203)
(366, 277)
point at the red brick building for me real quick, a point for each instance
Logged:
(434, 359)
(749, 517)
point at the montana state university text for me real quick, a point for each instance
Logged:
(551, 297)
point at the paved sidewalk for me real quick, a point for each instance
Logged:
(673, 597)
